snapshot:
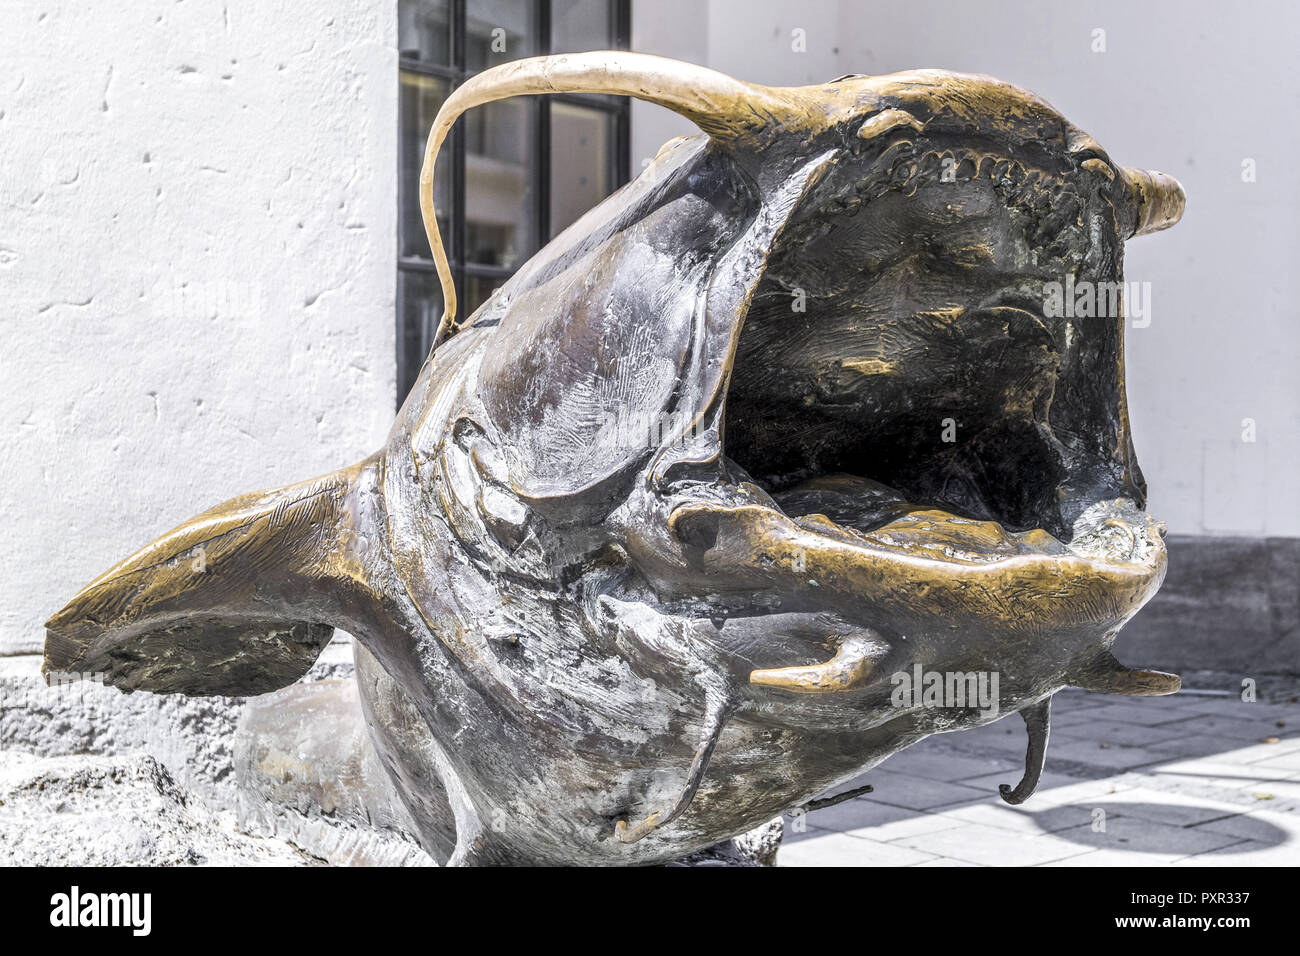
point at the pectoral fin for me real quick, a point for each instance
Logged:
(239, 600)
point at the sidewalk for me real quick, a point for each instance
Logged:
(1187, 780)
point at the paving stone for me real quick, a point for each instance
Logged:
(944, 861)
(1248, 853)
(1114, 757)
(944, 764)
(1023, 820)
(837, 849)
(1074, 700)
(1288, 790)
(1100, 858)
(917, 793)
(852, 814)
(876, 821)
(1259, 826)
(1173, 809)
(1200, 745)
(1001, 736)
(1116, 732)
(899, 830)
(1147, 841)
(1243, 728)
(994, 846)
(1053, 788)
(793, 832)
(1147, 712)
(1213, 789)
(1278, 766)
(1210, 770)
(1073, 718)
(1250, 710)
(1289, 748)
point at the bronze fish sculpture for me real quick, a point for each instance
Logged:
(659, 526)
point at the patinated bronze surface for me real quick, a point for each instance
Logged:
(659, 523)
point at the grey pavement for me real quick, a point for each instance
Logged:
(1188, 780)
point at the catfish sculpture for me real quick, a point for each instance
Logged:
(783, 417)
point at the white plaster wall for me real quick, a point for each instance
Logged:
(197, 267)
(1190, 88)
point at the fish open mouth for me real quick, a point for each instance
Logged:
(925, 430)
(864, 510)
(977, 512)
(916, 582)
(893, 463)
(919, 572)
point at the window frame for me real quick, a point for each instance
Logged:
(454, 152)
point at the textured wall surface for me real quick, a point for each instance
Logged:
(197, 221)
(1186, 88)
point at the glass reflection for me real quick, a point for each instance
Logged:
(581, 169)
(421, 96)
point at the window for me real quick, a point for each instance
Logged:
(512, 174)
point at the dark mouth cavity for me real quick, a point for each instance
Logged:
(936, 381)
(902, 453)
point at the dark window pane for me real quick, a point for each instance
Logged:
(478, 290)
(497, 31)
(578, 25)
(581, 25)
(419, 307)
(581, 161)
(500, 213)
(420, 98)
(423, 30)
(503, 170)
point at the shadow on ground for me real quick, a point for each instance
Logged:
(1198, 778)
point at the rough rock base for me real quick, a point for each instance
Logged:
(117, 811)
(93, 777)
